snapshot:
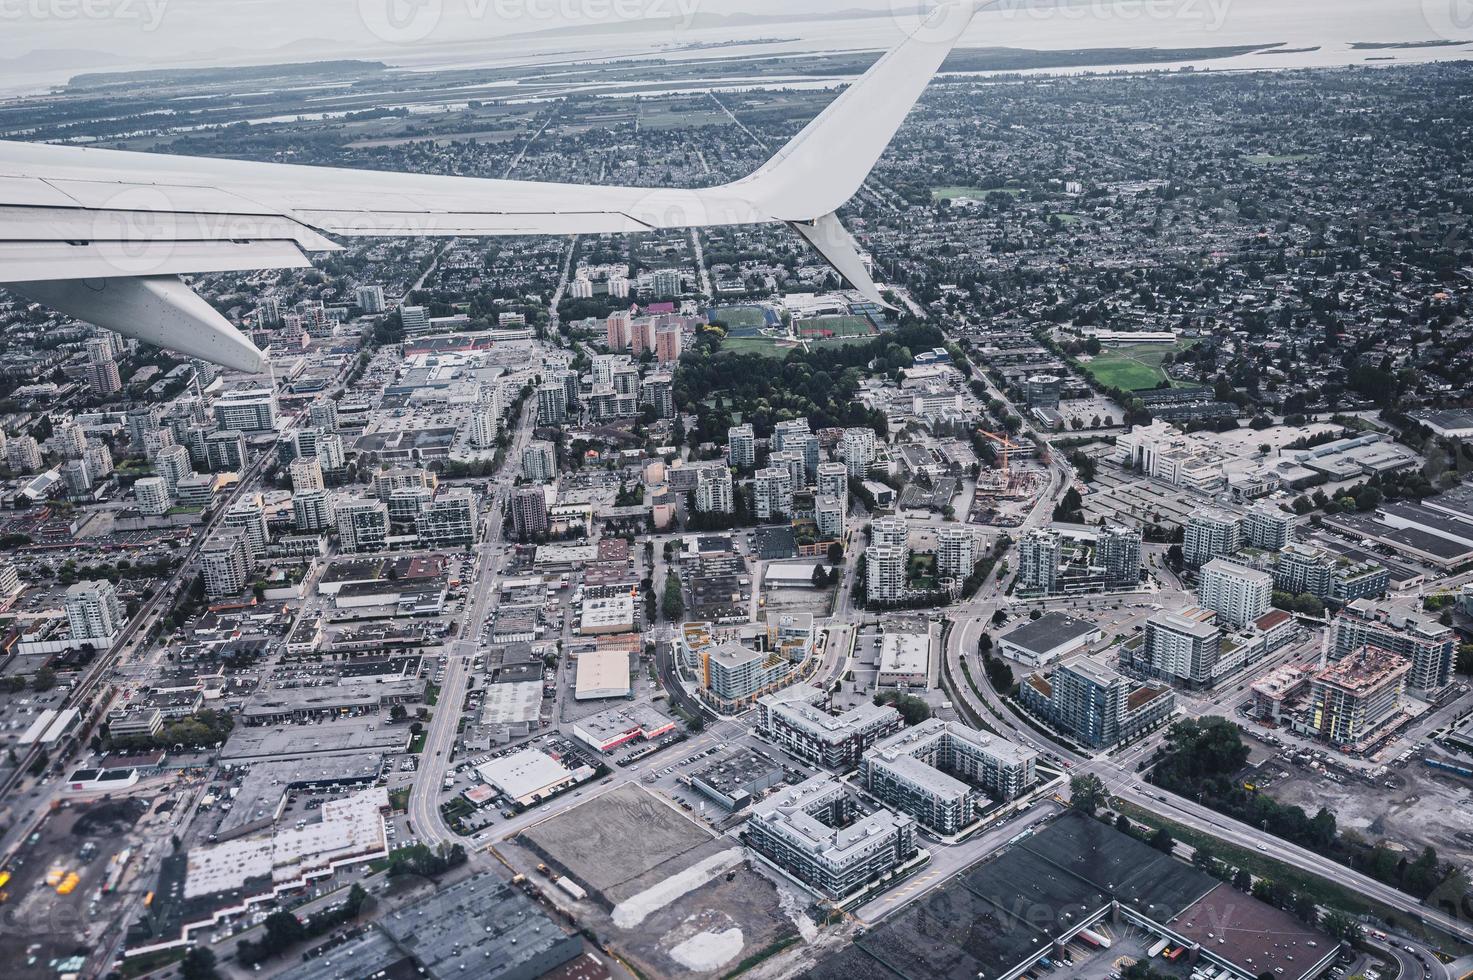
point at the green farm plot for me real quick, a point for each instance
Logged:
(1133, 367)
(976, 193)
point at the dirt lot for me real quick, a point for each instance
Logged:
(37, 924)
(671, 897)
(613, 842)
(1424, 808)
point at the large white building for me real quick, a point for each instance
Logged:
(247, 410)
(858, 450)
(248, 515)
(890, 532)
(1238, 595)
(152, 494)
(741, 447)
(312, 511)
(93, 611)
(539, 463)
(833, 479)
(363, 525)
(714, 491)
(449, 521)
(828, 512)
(772, 493)
(1210, 533)
(1163, 453)
(224, 565)
(885, 567)
(956, 553)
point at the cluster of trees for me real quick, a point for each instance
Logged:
(999, 674)
(282, 928)
(1201, 760)
(1070, 510)
(1304, 602)
(912, 709)
(197, 731)
(817, 384)
(672, 603)
(42, 680)
(424, 861)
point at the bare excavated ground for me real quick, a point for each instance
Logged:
(1424, 808)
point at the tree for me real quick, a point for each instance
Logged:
(672, 603)
(198, 964)
(836, 553)
(44, 679)
(1088, 793)
(398, 713)
(1162, 841)
(1343, 927)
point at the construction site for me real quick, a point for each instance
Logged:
(75, 874)
(668, 894)
(1006, 491)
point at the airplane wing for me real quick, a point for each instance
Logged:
(103, 235)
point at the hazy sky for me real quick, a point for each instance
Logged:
(45, 41)
(160, 30)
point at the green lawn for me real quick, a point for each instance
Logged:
(755, 345)
(977, 193)
(1273, 160)
(1133, 367)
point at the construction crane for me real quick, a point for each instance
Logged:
(1007, 445)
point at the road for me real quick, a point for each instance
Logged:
(947, 862)
(424, 794)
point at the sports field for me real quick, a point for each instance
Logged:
(742, 321)
(827, 327)
(1133, 367)
(974, 193)
(765, 346)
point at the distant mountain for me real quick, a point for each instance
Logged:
(60, 59)
(706, 21)
(175, 76)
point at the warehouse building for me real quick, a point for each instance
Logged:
(1052, 636)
